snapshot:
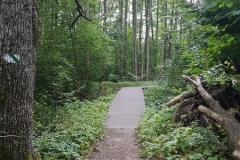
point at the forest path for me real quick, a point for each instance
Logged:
(120, 141)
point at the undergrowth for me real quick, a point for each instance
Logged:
(70, 131)
(79, 126)
(160, 138)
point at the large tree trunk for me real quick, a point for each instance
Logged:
(18, 39)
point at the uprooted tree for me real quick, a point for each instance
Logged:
(220, 105)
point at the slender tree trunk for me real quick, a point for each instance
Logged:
(156, 35)
(151, 19)
(125, 38)
(152, 48)
(140, 42)
(120, 37)
(147, 37)
(134, 65)
(105, 17)
(165, 38)
(170, 45)
(18, 39)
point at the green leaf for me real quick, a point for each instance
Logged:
(229, 5)
(237, 12)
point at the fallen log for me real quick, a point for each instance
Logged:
(213, 109)
(181, 97)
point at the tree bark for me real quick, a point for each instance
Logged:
(180, 98)
(165, 38)
(134, 64)
(147, 37)
(140, 42)
(18, 39)
(120, 38)
(125, 39)
(105, 12)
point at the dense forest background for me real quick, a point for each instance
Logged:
(130, 40)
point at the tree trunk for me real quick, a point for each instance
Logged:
(134, 65)
(125, 38)
(140, 42)
(105, 12)
(120, 37)
(165, 38)
(171, 27)
(147, 38)
(156, 35)
(18, 39)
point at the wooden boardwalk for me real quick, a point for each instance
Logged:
(126, 108)
(120, 141)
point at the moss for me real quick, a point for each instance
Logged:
(36, 156)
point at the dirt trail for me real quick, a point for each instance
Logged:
(120, 141)
(118, 144)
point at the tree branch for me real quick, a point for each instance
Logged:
(211, 114)
(212, 103)
(81, 13)
(181, 97)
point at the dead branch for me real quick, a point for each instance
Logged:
(181, 97)
(224, 118)
(81, 13)
(213, 104)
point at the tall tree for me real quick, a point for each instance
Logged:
(18, 36)
(120, 38)
(147, 10)
(134, 65)
(125, 38)
(156, 34)
(140, 39)
(164, 36)
(105, 12)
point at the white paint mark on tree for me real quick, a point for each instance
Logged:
(12, 58)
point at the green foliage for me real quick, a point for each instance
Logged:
(69, 59)
(78, 126)
(157, 95)
(161, 138)
(218, 23)
(107, 88)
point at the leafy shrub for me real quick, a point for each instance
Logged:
(158, 95)
(80, 125)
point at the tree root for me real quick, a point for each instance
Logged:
(213, 109)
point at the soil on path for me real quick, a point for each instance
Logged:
(118, 144)
(120, 141)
